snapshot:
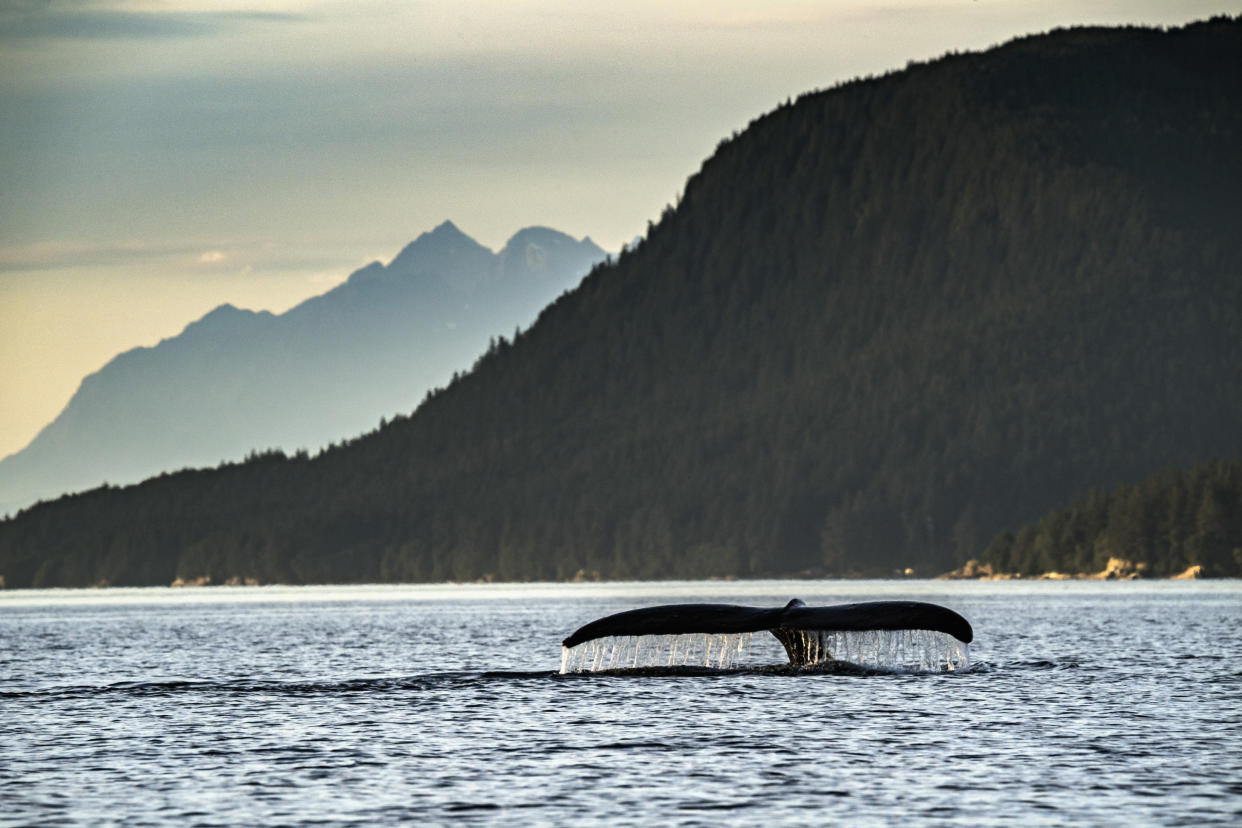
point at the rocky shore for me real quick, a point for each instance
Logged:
(1117, 569)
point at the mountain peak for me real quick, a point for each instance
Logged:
(221, 310)
(544, 250)
(551, 239)
(446, 233)
(223, 317)
(447, 227)
(435, 249)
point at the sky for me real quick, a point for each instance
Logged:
(158, 159)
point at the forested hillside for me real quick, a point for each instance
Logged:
(1167, 523)
(882, 324)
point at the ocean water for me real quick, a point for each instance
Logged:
(1083, 704)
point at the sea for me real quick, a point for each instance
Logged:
(1078, 703)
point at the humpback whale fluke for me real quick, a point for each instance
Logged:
(801, 629)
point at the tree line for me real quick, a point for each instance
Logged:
(1169, 522)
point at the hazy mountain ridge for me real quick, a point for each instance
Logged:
(236, 380)
(884, 323)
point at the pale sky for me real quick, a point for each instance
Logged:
(160, 158)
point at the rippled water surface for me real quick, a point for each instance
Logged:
(1101, 703)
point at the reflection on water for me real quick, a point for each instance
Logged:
(1083, 704)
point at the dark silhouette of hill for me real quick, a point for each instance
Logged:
(884, 323)
(330, 367)
(1168, 523)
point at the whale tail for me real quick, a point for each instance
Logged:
(805, 632)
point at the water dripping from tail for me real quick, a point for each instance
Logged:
(722, 651)
(920, 651)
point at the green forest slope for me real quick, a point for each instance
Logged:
(1168, 523)
(884, 323)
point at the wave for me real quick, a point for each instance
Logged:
(427, 681)
(441, 681)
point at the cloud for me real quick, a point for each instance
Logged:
(60, 253)
(327, 262)
(84, 21)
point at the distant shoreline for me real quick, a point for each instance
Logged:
(1117, 569)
